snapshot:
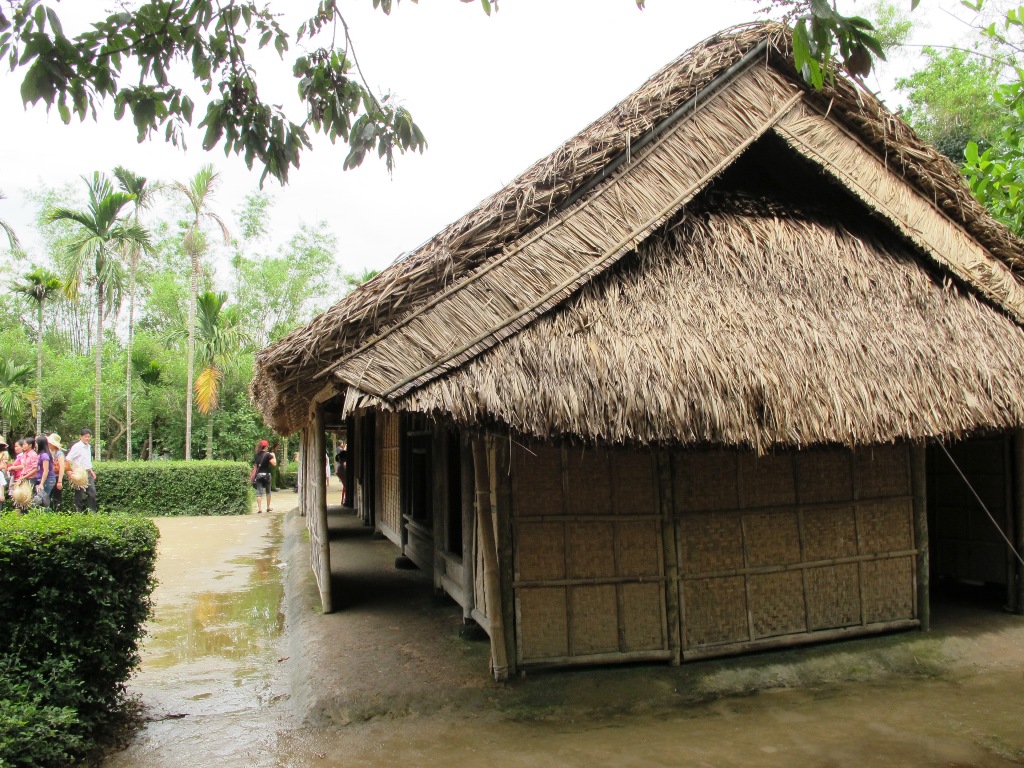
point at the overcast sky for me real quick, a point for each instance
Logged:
(492, 94)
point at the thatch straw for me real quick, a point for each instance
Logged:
(751, 325)
(78, 476)
(21, 495)
(518, 220)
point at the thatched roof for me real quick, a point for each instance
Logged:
(432, 317)
(751, 324)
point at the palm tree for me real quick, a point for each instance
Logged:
(102, 232)
(15, 395)
(150, 371)
(12, 238)
(39, 286)
(220, 335)
(197, 193)
(144, 194)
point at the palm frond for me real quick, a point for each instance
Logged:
(207, 389)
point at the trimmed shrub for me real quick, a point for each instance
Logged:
(159, 488)
(287, 475)
(75, 592)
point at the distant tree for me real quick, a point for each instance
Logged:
(143, 193)
(354, 280)
(101, 232)
(150, 372)
(950, 101)
(279, 289)
(12, 239)
(198, 194)
(39, 286)
(220, 336)
(15, 394)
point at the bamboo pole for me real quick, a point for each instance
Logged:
(919, 483)
(492, 590)
(500, 449)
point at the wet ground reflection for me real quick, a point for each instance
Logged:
(236, 624)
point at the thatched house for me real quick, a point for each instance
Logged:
(668, 394)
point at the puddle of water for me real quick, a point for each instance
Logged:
(236, 624)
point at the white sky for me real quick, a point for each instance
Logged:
(492, 94)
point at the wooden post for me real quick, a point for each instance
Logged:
(500, 450)
(492, 588)
(668, 535)
(314, 504)
(439, 500)
(919, 484)
(1018, 510)
(468, 539)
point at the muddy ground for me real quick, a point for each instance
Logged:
(239, 672)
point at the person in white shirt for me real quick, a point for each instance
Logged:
(81, 455)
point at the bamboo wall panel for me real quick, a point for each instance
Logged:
(542, 622)
(715, 611)
(589, 555)
(537, 480)
(389, 515)
(832, 596)
(816, 541)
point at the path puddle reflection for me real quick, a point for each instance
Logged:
(234, 624)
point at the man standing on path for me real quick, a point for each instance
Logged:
(262, 463)
(81, 456)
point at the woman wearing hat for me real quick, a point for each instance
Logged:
(59, 465)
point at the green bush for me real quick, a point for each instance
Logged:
(75, 592)
(287, 475)
(158, 488)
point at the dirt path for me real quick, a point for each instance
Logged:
(388, 680)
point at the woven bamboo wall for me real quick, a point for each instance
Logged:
(389, 515)
(794, 543)
(589, 560)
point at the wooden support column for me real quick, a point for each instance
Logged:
(919, 485)
(500, 452)
(468, 538)
(668, 535)
(314, 504)
(492, 587)
(439, 499)
(1018, 511)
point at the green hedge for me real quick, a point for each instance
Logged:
(286, 476)
(75, 593)
(158, 488)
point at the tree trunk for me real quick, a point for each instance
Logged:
(209, 435)
(191, 355)
(39, 370)
(150, 454)
(99, 368)
(128, 366)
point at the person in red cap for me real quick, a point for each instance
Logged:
(261, 465)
